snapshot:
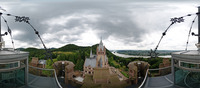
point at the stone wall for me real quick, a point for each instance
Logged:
(134, 68)
(68, 70)
(165, 63)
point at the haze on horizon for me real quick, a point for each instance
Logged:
(123, 24)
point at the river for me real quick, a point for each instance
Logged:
(127, 56)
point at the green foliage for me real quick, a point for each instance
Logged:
(113, 63)
(155, 62)
(125, 74)
(70, 48)
(74, 57)
(33, 52)
(79, 64)
(49, 65)
(77, 55)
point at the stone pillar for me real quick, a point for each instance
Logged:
(66, 77)
(68, 73)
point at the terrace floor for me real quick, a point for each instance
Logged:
(160, 82)
(41, 82)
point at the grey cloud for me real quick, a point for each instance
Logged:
(116, 19)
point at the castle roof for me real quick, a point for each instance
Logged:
(42, 62)
(90, 61)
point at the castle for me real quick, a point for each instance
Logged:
(100, 60)
(97, 71)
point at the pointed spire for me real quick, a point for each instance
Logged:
(101, 43)
(91, 53)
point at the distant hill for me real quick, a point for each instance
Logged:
(34, 52)
(59, 53)
(70, 47)
(77, 54)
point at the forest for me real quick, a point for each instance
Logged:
(77, 55)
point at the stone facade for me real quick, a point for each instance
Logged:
(89, 70)
(34, 62)
(68, 68)
(38, 63)
(97, 66)
(101, 75)
(165, 63)
(137, 69)
(100, 60)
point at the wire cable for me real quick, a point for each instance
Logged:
(163, 34)
(190, 32)
(48, 53)
(174, 20)
(9, 31)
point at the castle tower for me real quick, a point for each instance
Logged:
(101, 60)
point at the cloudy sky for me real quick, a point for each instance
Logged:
(122, 24)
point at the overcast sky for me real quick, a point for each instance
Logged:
(122, 24)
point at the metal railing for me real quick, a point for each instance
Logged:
(43, 69)
(149, 71)
(160, 71)
(57, 79)
(143, 82)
